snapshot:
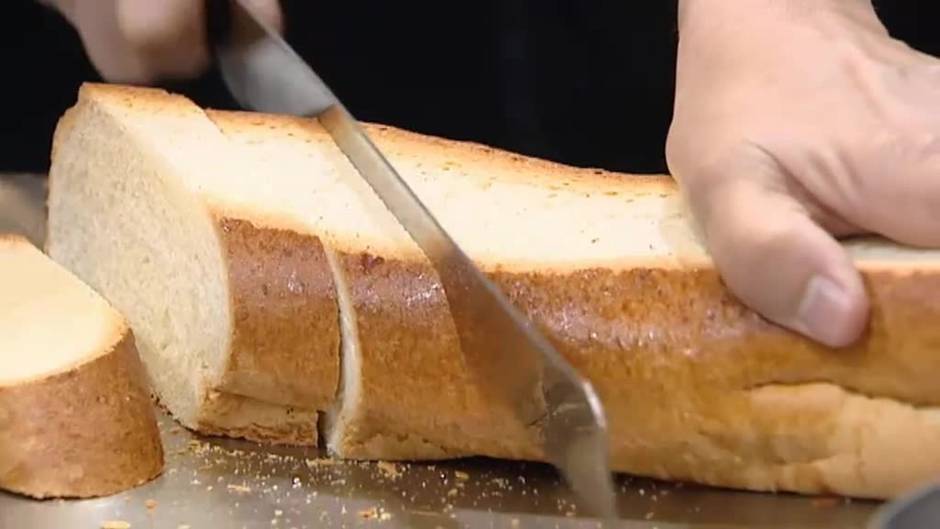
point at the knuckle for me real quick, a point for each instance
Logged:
(903, 142)
(727, 164)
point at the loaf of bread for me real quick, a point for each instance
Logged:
(268, 285)
(76, 418)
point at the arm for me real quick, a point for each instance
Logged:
(797, 122)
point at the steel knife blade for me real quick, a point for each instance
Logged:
(512, 362)
(916, 509)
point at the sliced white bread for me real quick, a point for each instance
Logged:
(235, 318)
(76, 418)
(696, 386)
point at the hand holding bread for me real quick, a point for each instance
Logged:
(797, 122)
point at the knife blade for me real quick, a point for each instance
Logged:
(510, 360)
(916, 509)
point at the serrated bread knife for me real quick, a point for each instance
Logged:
(510, 360)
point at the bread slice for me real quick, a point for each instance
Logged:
(235, 315)
(696, 386)
(76, 419)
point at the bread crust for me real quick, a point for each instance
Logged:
(696, 387)
(417, 400)
(285, 339)
(87, 432)
(283, 364)
(685, 371)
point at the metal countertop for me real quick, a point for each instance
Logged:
(227, 483)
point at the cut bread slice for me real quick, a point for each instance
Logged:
(76, 419)
(696, 387)
(235, 316)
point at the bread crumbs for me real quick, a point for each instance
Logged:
(115, 524)
(389, 469)
(150, 504)
(320, 462)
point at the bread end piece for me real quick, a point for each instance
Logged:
(79, 422)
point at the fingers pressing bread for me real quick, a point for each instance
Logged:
(773, 255)
(781, 149)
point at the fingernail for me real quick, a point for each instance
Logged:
(827, 313)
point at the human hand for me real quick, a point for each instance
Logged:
(143, 41)
(796, 122)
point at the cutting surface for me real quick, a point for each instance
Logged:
(220, 483)
(215, 483)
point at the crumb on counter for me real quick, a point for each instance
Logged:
(389, 469)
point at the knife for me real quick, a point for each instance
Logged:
(916, 509)
(511, 361)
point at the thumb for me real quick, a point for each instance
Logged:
(774, 257)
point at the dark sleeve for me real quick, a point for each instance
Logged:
(585, 83)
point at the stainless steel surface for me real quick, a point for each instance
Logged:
(919, 509)
(516, 365)
(217, 483)
(21, 211)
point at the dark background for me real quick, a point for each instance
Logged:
(582, 82)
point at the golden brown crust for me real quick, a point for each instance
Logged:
(696, 386)
(142, 98)
(84, 433)
(532, 169)
(285, 340)
(688, 318)
(417, 400)
(393, 141)
(672, 351)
